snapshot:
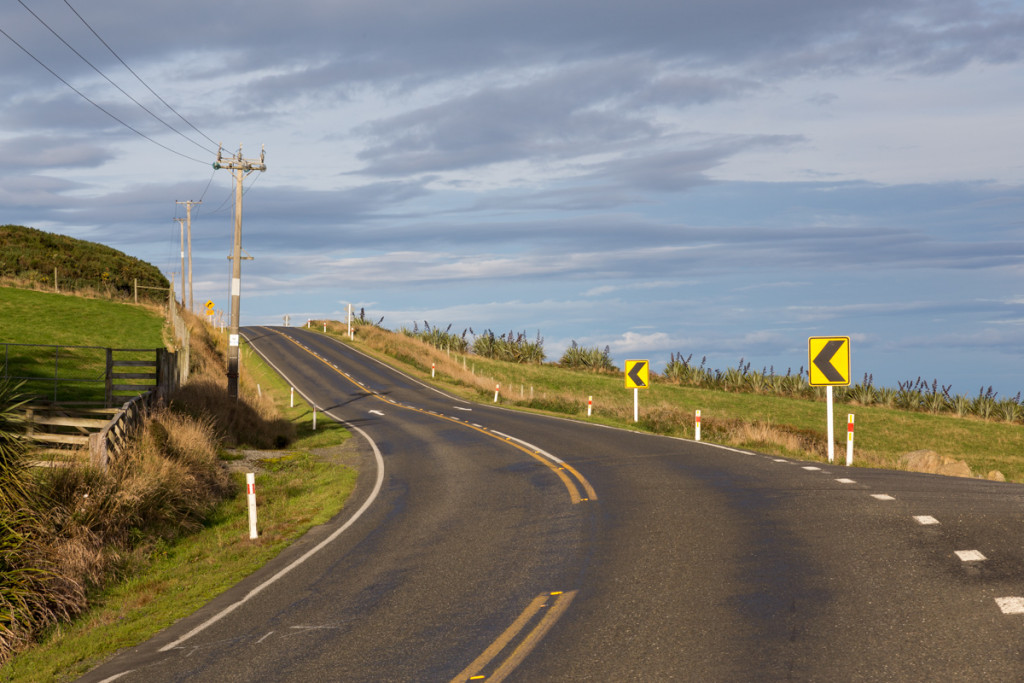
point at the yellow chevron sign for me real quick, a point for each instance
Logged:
(637, 374)
(828, 361)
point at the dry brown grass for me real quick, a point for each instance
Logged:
(82, 526)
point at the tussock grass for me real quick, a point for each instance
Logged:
(167, 575)
(67, 532)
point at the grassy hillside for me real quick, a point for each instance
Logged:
(28, 257)
(30, 317)
(790, 426)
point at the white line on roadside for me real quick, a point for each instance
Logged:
(812, 468)
(925, 520)
(846, 481)
(535, 449)
(312, 551)
(882, 496)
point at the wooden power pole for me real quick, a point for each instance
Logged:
(181, 225)
(188, 222)
(241, 168)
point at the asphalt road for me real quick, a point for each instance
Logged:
(483, 542)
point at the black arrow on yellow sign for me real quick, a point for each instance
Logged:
(823, 361)
(635, 373)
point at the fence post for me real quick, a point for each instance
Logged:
(109, 377)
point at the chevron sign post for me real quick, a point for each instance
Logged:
(637, 378)
(828, 366)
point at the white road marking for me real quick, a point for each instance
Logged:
(116, 676)
(264, 637)
(1011, 605)
(882, 496)
(378, 485)
(376, 412)
(970, 555)
(811, 468)
(469, 410)
(779, 460)
(846, 481)
(925, 519)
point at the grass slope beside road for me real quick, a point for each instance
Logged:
(793, 427)
(297, 489)
(48, 320)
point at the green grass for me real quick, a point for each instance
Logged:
(295, 492)
(46, 319)
(882, 434)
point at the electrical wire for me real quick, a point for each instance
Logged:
(107, 78)
(86, 98)
(190, 124)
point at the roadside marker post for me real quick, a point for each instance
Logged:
(849, 439)
(590, 406)
(314, 417)
(291, 399)
(433, 368)
(250, 488)
(696, 427)
(831, 427)
(497, 387)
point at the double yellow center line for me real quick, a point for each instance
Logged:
(561, 468)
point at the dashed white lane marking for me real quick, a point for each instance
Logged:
(376, 412)
(264, 638)
(779, 460)
(925, 519)
(812, 468)
(970, 555)
(1011, 605)
(882, 496)
(846, 481)
(468, 410)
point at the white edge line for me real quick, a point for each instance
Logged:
(312, 551)
(540, 451)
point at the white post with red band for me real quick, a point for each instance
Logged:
(496, 388)
(250, 489)
(433, 368)
(590, 406)
(696, 427)
(849, 439)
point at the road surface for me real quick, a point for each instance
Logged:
(488, 544)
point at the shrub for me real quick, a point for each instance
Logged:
(587, 358)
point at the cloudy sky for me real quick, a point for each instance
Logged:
(716, 177)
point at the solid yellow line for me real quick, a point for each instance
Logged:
(539, 631)
(591, 493)
(504, 639)
(574, 494)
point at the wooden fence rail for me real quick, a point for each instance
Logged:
(105, 430)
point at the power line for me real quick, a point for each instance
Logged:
(208, 138)
(86, 98)
(107, 78)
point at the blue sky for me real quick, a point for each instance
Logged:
(723, 178)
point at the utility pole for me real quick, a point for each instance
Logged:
(188, 220)
(181, 225)
(241, 168)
